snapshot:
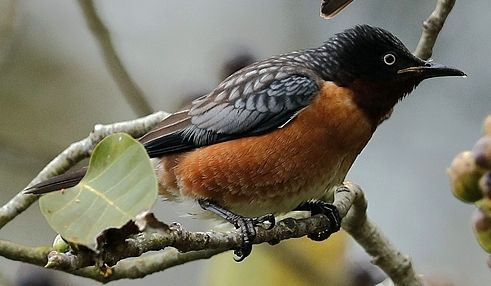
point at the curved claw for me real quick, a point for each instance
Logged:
(245, 225)
(324, 208)
(247, 228)
(241, 253)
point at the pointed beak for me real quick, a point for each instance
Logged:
(431, 69)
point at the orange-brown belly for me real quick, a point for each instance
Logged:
(276, 171)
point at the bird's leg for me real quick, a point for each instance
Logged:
(324, 208)
(245, 225)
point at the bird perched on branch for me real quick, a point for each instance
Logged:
(278, 134)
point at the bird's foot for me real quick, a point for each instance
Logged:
(324, 208)
(245, 225)
(247, 229)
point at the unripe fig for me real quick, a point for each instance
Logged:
(481, 224)
(485, 206)
(485, 185)
(482, 152)
(464, 177)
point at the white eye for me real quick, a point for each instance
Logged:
(389, 59)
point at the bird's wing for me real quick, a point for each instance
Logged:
(248, 103)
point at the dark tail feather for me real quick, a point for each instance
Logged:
(56, 183)
(330, 8)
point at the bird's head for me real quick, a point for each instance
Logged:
(378, 67)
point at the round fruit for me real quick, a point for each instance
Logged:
(482, 229)
(464, 177)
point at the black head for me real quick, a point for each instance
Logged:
(378, 66)
(374, 54)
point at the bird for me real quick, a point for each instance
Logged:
(282, 133)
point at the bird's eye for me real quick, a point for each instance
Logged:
(389, 59)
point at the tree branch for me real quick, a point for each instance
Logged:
(140, 267)
(72, 155)
(165, 259)
(133, 94)
(200, 245)
(396, 265)
(33, 255)
(185, 241)
(432, 27)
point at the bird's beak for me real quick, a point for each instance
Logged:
(430, 69)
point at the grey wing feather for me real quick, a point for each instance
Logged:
(247, 103)
(270, 107)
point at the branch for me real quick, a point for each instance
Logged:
(167, 259)
(191, 246)
(142, 266)
(134, 96)
(72, 155)
(396, 265)
(432, 27)
(185, 241)
(33, 255)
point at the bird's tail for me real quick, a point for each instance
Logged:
(56, 183)
(330, 8)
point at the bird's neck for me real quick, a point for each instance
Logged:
(378, 99)
(322, 61)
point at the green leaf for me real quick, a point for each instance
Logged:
(120, 183)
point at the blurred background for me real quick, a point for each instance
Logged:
(54, 88)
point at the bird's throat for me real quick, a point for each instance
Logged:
(378, 100)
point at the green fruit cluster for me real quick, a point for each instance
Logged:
(470, 180)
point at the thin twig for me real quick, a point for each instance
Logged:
(140, 267)
(72, 155)
(137, 267)
(432, 27)
(127, 86)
